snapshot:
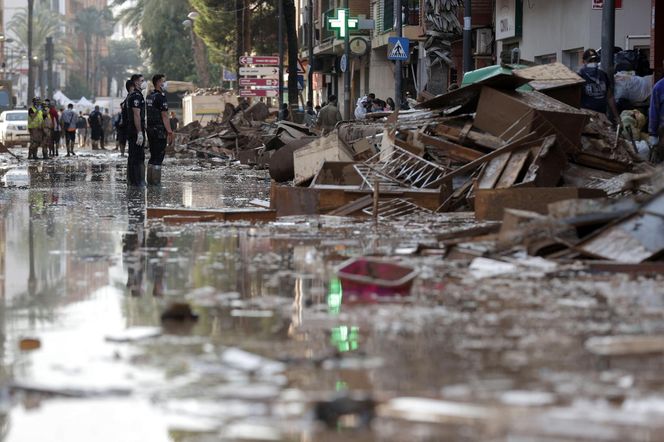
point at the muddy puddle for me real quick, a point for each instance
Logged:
(272, 349)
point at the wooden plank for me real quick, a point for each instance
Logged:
(491, 203)
(453, 150)
(248, 214)
(493, 171)
(601, 163)
(520, 143)
(353, 206)
(481, 139)
(513, 168)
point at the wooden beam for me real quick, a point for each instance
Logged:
(454, 151)
(229, 215)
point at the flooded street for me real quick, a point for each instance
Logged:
(272, 349)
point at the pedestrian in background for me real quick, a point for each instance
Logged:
(69, 121)
(329, 116)
(174, 122)
(82, 130)
(48, 128)
(158, 128)
(96, 132)
(284, 114)
(106, 128)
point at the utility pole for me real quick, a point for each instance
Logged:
(398, 72)
(280, 37)
(49, 66)
(310, 43)
(608, 36)
(31, 76)
(467, 37)
(347, 55)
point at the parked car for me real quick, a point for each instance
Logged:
(14, 127)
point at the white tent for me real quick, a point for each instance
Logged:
(61, 98)
(84, 105)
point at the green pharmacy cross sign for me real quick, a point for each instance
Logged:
(342, 22)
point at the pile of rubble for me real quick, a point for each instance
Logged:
(510, 147)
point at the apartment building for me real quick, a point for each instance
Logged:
(547, 31)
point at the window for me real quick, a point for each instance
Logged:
(388, 15)
(573, 58)
(546, 59)
(411, 12)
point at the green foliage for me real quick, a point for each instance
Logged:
(45, 23)
(123, 56)
(76, 87)
(217, 26)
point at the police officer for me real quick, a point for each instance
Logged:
(158, 127)
(122, 124)
(36, 129)
(136, 132)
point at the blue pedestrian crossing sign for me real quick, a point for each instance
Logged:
(398, 48)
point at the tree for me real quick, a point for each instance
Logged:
(123, 57)
(45, 23)
(442, 26)
(162, 35)
(93, 24)
(76, 87)
(291, 36)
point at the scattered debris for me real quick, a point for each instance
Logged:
(29, 344)
(179, 311)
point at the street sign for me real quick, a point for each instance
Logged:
(259, 82)
(342, 22)
(229, 76)
(300, 67)
(262, 71)
(398, 48)
(343, 63)
(260, 59)
(258, 93)
(599, 4)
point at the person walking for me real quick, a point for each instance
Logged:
(48, 128)
(158, 128)
(597, 93)
(69, 121)
(96, 132)
(284, 113)
(36, 129)
(82, 130)
(106, 128)
(329, 115)
(136, 132)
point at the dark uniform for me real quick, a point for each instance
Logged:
(156, 104)
(136, 157)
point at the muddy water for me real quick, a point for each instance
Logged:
(499, 358)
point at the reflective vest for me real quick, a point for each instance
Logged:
(36, 121)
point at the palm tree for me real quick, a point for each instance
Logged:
(93, 24)
(45, 23)
(131, 15)
(123, 56)
(442, 26)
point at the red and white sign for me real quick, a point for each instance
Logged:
(260, 59)
(599, 4)
(258, 82)
(258, 92)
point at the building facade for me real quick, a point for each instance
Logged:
(548, 31)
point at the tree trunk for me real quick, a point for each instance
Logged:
(239, 41)
(109, 80)
(291, 36)
(87, 43)
(246, 26)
